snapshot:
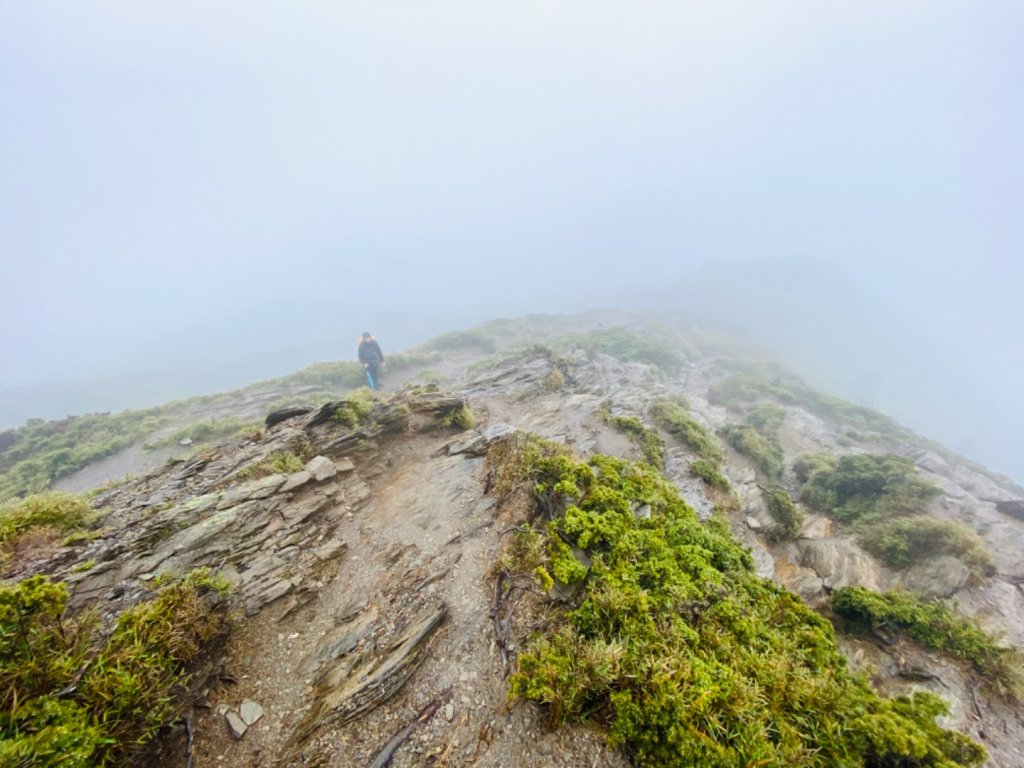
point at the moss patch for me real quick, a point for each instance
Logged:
(677, 646)
(64, 704)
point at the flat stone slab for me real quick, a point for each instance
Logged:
(250, 711)
(321, 468)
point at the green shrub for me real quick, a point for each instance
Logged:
(674, 417)
(463, 340)
(61, 511)
(932, 624)
(677, 646)
(811, 463)
(788, 517)
(355, 409)
(651, 446)
(764, 450)
(904, 541)
(628, 346)
(458, 418)
(59, 708)
(204, 432)
(867, 486)
(710, 474)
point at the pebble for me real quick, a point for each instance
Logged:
(449, 712)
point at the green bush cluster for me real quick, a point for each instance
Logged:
(72, 698)
(470, 339)
(458, 418)
(651, 446)
(904, 541)
(43, 451)
(628, 346)
(61, 511)
(932, 624)
(686, 655)
(710, 474)
(787, 516)
(762, 449)
(674, 416)
(205, 431)
(764, 383)
(864, 487)
(355, 409)
(339, 375)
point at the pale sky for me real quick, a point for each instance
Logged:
(213, 192)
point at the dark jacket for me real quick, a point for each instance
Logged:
(370, 352)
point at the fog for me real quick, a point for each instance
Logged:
(197, 195)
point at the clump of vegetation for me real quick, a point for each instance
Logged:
(710, 474)
(355, 409)
(60, 705)
(864, 488)
(283, 462)
(49, 515)
(555, 380)
(932, 624)
(764, 450)
(787, 516)
(61, 511)
(43, 451)
(628, 346)
(904, 541)
(678, 647)
(470, 339)
(460, 417)
(337, 376)
(674, 416)
(651, 446)
(204, 432)
(398, 361)
(812, 463)
(764, 383)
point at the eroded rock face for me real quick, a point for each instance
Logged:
(839, 563)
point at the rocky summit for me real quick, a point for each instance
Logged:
(381, 592)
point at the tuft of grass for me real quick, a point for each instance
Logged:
(934, 625)
(710, 474)
(904, 541)
(651, 446)
(72, 697)
(627, 345)
(356, 408)
(61, 511)
(864, 487)
(676, 419)
(470, 339)
(210, 430)
(764, 451)
(788, 517)
(678, 648)
(458, 418)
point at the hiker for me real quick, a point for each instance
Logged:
(372, 358)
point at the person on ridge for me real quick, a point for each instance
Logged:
(372, 358)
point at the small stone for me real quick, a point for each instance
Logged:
(222, 709)
(754, 524)
(236, 725)
(251, 712)
(449, 712)
(321, 468)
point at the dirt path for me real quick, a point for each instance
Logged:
(428, 534)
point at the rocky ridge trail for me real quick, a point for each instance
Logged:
(365, 579)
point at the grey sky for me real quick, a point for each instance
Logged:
(238, 188)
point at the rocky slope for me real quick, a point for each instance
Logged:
(363, 580)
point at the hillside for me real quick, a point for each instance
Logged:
(597, 540)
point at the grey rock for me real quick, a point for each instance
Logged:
(296, 480)
(940, 577)
(471, 442)
(344, 464)
(498, 431)
(256, 489)
(840, 561)
(283, 414)
(754, 524)
(250, 711)
(643, 513)
(236, 725)
(321, 468)
(449, 712)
